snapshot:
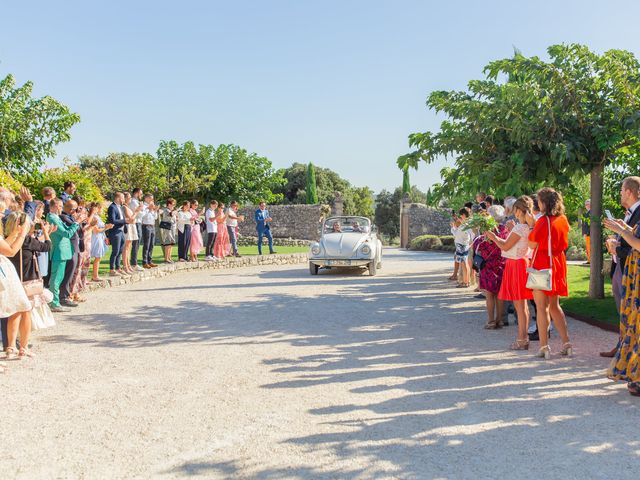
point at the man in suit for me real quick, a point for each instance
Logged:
(68, 192)
(61, 250)
(68, 216)
(262, 226)
(630, 200)
(115, 216)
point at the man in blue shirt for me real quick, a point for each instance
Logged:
(263, 221)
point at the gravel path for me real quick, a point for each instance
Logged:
(272, 373)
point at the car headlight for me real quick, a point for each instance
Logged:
(315, 250)
(366, 249)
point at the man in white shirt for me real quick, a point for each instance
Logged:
(212, 229)
(149, 215)
(232, 224)
(136, 196)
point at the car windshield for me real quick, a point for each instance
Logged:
(346, 225)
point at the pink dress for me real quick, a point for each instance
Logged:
(196, 235)
(221, 247)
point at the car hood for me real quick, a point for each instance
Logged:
(342, 244)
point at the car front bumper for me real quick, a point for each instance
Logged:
(341, 262)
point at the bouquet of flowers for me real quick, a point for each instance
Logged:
(480, 223)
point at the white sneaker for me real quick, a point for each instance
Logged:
(139, 268)
(208, 258)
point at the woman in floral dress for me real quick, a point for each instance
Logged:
(491, 274)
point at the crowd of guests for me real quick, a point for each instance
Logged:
(521, 264)
(51, 248)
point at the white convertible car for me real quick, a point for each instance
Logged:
(346, 242)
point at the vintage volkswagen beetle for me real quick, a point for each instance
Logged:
(346, 241)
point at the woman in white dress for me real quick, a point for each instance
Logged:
(132, 231)
(13, 299)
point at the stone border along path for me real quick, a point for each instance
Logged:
(228, 263)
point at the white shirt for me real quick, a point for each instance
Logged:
(133, 204)
(521, 248)
(148, 216)
(460, 236)
(232, 218)
(183, 218)
(631, 210)
(212, 226)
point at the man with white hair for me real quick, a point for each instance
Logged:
(508, 209)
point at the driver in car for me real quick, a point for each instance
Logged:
(356, 227)
(337, 228)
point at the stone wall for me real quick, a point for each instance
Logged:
(228, 263)
(424, 220)
(289, 221)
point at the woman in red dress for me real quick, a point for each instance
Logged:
(554, 223)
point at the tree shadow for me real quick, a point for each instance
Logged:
(393, 343)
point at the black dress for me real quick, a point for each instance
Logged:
(30, 249)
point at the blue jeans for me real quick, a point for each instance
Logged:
(265, 233)
(148, 241)
(233, 240)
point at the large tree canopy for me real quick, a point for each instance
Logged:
(532, 122)
(30, 128)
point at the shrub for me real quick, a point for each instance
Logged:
(7, 181)
(55, 177)
(448, 240)
(425, 242)
(575, 237)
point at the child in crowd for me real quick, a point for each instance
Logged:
(462, 239)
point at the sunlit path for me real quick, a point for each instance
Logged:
(276, 374)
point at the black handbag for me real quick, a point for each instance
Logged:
(165, 225)
(478, 262)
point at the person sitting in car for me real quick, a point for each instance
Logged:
(337, 228)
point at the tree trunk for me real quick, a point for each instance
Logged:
(596, 278)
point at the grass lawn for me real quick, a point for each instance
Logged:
(158, 255)
(579, 302)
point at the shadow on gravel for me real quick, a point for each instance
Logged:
(500, 413)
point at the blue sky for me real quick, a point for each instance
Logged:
(338, 83)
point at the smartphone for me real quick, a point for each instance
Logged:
(608, 214)
(38, 226)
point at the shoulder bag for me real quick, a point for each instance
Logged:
(541, 279)
(32, 287)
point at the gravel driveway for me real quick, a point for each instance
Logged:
(271, 373)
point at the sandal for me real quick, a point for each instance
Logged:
(453, 277)
(492, 326)
(462, 285)
(11, 353)
(544, 352)
(634, 388)
(567, 350)
(519, 345)
(25, 352)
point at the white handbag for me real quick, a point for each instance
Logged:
(541, 279)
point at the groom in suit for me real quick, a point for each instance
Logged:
(115, 216)
(61, 250)
(262, 226)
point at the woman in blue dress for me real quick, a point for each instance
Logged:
(99, 245)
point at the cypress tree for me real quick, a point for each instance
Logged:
(312, 193)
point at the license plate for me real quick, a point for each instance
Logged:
(338, 262)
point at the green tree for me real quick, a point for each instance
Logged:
(406, 184)
(126, 171)
(56, 177)
(546, 122)
(362, 202)
(387, 213)
(311, 191)
(30, 128)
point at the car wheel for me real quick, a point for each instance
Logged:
(313, 268)
(372, 268)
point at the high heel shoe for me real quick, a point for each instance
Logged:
(567, 349)
(544, 352)
(519, 345)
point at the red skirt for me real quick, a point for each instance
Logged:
(514, 281)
